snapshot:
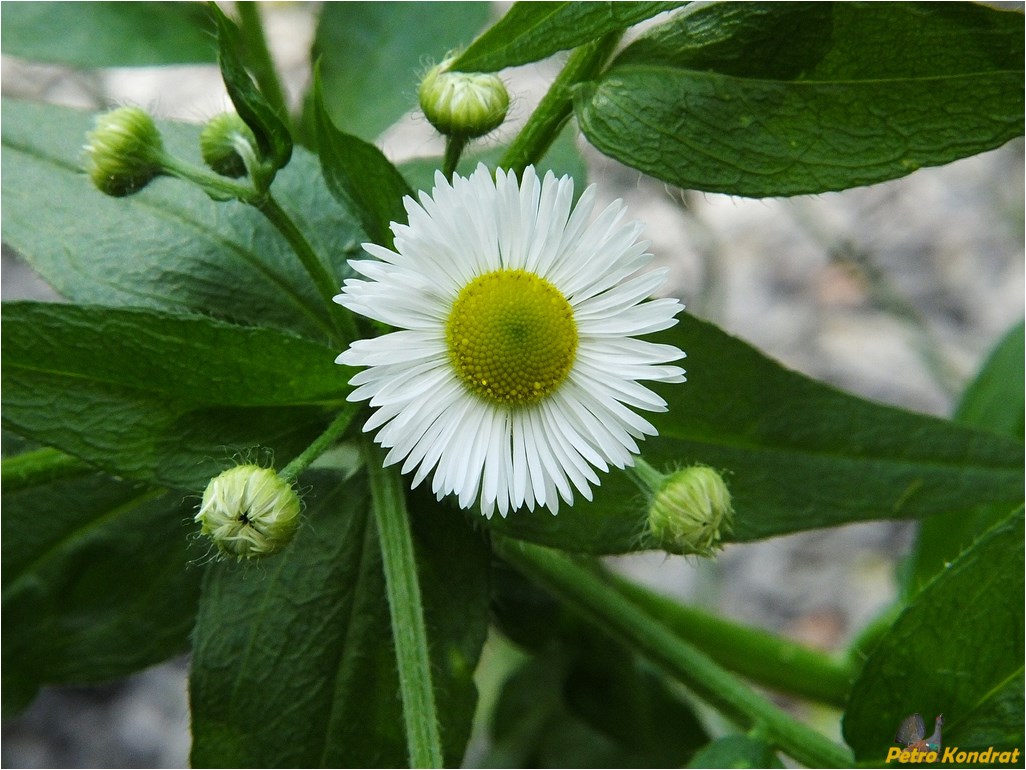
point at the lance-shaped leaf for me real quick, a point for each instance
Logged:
(796, 454)
(100, 579)
(531, 31)
(359, 175)
(764, 99)
(957, 650)
(168, 246)
(293, 663)
(159, 397)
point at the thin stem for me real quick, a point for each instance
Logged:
(408, 631)
(591, 596)
(258, 57)
(544, 125)
(39, 466)
(320, 445)
(763, 657)
(215, 185)
(453, 150)
(645, 476)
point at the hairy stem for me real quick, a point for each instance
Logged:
(320, 445)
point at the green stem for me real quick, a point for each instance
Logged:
(320, 445)
(214, 185)
(590, 595)
(408, 631)
(758, 655)
(547, 120)
(39, 466)
(258, 57)
(648, 479)
(453, 150)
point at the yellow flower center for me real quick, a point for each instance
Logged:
(511, 337)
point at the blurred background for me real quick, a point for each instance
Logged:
(894, 292)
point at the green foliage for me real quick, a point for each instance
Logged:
(736, 751)
(293, 662)
(796, 454)
(531, 30)
(105, 34)
(957, 650)
(372, 55)
(716, 100)
(100, 579)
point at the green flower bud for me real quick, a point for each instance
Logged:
(223, 140)
(691, 511)
(463, 104)
(249, 511)
(124, 151)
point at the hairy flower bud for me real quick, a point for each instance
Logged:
(249, 511)
(463, 104)
(691, 511)
(221, 141)
(124, 151)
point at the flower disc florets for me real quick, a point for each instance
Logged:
(464, 104)
(124, 151)
(515, 371)
(249, 511)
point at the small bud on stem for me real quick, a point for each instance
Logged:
(227, 143)
(463, 104)
(124, 151)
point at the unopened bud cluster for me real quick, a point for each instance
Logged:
(249, 511)
(691, 511)
(124, 151)
(224, 141)
(463, 104)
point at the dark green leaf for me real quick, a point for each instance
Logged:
(373, 54)
(531, 31)
(359, 176)
(100, 579)
(796, 455)
(100, 34)
(293, 662)
(158, 397)
(736, 751)
(787, 98)
(169, 246)
(269, 128)
(957, 650)
(993, 401)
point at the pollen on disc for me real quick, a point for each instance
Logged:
(511, 336)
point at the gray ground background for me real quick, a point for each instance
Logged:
(895, 292)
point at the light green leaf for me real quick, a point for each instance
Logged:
(100, 579)
(993, 401)
(293, 663)
(795, 453)
(736, 751)
(372, 56)
(169, 246)
(531, 31)
(765, 99)
(102, 34)
(359, 176)
(957, 650)
(158, 397)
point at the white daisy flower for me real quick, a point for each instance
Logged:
(515, 371)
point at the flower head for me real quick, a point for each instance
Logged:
(467, 104)
(515, 371)
(691, 511)
(124, 151)
(249, 511)
(224, 141)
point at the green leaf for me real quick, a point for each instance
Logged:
(736, 751)
(169, 246)
(372, 56)
(269, 128)
(101, 34)
(957, 650)
(796, 454)
(293, 663)
(100, 579)
(531, 31)
(359, 175)
(159, 397)
(993, 401)
(766, 99)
